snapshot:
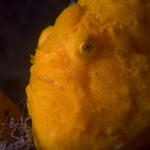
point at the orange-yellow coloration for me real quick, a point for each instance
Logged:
(90, 79)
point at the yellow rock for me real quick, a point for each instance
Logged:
(90, 80)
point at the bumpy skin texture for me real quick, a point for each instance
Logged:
(90, 79)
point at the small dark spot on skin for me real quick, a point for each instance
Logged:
(96, 74)
(122, 53)
(6, 112)
(119, 147)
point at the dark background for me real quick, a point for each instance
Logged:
(21, 22)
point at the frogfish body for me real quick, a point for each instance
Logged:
(90, 80)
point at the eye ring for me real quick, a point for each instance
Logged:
(87, 48)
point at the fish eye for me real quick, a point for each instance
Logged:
(87, 48)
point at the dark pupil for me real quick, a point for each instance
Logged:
(87, 47)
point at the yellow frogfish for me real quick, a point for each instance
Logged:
(89, 87)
